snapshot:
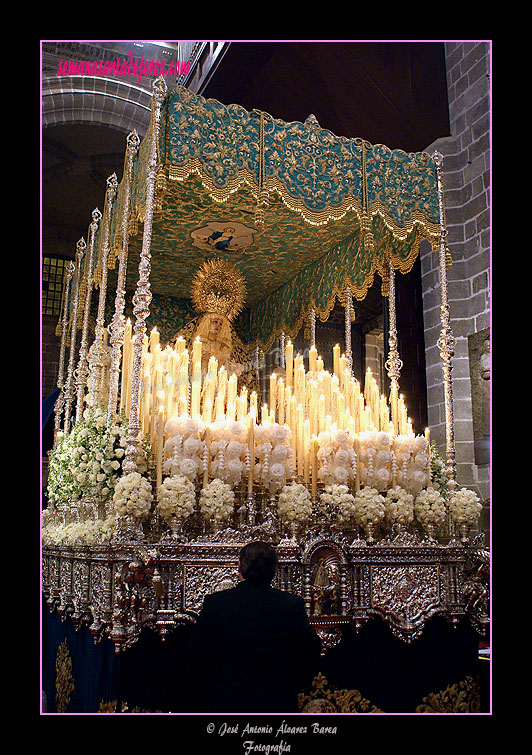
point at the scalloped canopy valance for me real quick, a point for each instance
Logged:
(303, 213)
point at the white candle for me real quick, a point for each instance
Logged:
(154, 339)
(160, 439)
(312, 358)
(336, 360)
(251, 446)
(289, 361)
(314, 466)
(280, 401)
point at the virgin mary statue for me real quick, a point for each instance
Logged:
(218, 295)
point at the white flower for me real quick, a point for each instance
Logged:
(191, 446)
(465, 506)
(430, 508)
(277, 470)
(217, 500)
(368, 507)
(236, 428)
(279, 433)
(234, 449)
(176, 497)
(188, 467)
(234, 466)
(399, 505)
(133, 495)
(340, 474)
(294, 503)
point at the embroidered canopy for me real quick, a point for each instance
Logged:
(304, 214)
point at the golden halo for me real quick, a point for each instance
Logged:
(219, 287)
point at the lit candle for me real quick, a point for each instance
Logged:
(231, 390)
(220, 406)
(196, 351)
(340, 410)
(169, 396)
(207, 411)
(146, 401)
(280, 400)
(253, 403)
(160, 439)
(394, 404)
(180, 345)
(196, 390)
(336, 360)
(154, 339)
(222, 382)
(300, 441)
(314, 467)
(251, 446)
(312, 359)
(273, 391)
(314, 422)
(183, 384)
(264, 414)
(342, 366)
(242, 404)
(319, 364)
(289, 362)
(321, 413)
(306, 450)
(125, 364)
(207, 441)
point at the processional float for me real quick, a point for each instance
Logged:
(167, 460)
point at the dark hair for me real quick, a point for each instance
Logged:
(258, 561)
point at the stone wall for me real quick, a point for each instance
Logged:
(466, 180)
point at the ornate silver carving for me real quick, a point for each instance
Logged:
(120, 589)
(393, 364)
(83, 368)
(143, 297)
(96, 356)
(69, 392)
(446, 341)
(118, 321)
(59, 404)
(348, 321)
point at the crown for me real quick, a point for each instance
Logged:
(219, 287)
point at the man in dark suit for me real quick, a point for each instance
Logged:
(252, 649)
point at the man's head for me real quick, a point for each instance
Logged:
(258, 562)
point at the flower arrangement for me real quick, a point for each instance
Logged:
(336, 457)
(438, 469)
(90, 532)
(399, 506)
(184, 450)
(294, 503)
(430, 508)
(274, 454)
(132, 496)
(88, 460)
(465, 506)
(176, 497)
(369, 507)
(336, 501)
(412, 458)
(217, 501)
(375, 459)
(229, 455)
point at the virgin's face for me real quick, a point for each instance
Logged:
(215, 326)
